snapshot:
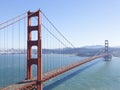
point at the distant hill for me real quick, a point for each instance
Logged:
(115, 51)
(94, 47)
(83, 51)
(75, 51)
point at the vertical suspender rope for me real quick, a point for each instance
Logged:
(24, 49)
(1, 83)
(19, 51)
(13, 64)
(6, 43)
(4, 59)
(47, 52)
(51, 53)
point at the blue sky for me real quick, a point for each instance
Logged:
(83, 22)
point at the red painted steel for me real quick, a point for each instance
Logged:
(39, 68)
(38, 43)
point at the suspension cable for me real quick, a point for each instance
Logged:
(58, 30)
(13, 19)
(19, 18)
(54, 35)
(99, 51)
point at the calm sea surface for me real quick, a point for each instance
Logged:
(95, 75)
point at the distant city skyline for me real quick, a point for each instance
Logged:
(84, 23)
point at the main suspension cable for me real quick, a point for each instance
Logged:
(54, 35)
(58, 30)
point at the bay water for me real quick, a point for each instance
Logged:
(95, 75)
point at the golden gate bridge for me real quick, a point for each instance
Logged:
(40, 35)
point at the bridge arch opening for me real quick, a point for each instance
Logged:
(34, 52)
(34, 35)
(34, 21)
(34, 70)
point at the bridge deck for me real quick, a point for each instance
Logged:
(30, 84)
(18, 86)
